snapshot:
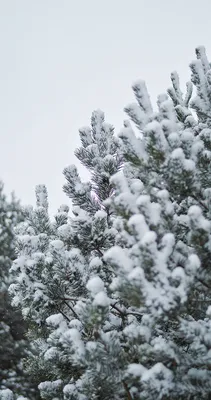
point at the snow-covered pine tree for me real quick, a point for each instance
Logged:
(131, 320)
(151, 324)
(56, 260)
(13, 344)
(162, 252)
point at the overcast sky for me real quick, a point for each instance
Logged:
(61, 59)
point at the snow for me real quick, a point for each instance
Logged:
(155, 370)
(65, 231)
(132, 331)
(144, 332)
(174, 139)
(136, 114)
(95, 285)
(197, 148)
(178, 154)
(163, 346)
(151, 209)
(79, 188)
(198, 374)
(55, 320)
(119, 181)
(142, 96)
(207, 193)
(51, 354)
(187, 136)
(195, 212)
(149, 238)
(169, 116)
(161, 98)
(6, 394)
(127, 201)
(193, 264)
(50, 385)
(64, 208)
(176, 85)
(139, 225)
(72, 334)
(69, 390)
(118, 257)
(137, 186)
(91, 346)
(160, 378)
(136, 275)
(197, 219)
(209, 312)
(57, 244)
(178, 273)
(163, 194)
(201, 54)
(155, 212)
(189, 165)
(95, 263)
(168, 242)
(100, 214)
(136, 146)
(76, 324)
(22, 398)
(72, 338)
(101, 300)
(137, 370)
(155, 129)
(42, 196)
(97, 121)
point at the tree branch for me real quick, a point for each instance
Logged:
(64, 315)
(200, 202)
(71, 308)
(127, 390)
(204, 283)
(122, 313)
(71, 299)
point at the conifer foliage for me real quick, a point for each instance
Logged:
(13, 344)
(118, 295)
(56, 260)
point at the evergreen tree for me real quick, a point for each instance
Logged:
(162, 250)
(13, 344)
(56, 260)
(118, 296)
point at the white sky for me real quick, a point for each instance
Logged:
(61, 59)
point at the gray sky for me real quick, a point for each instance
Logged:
(61, 59)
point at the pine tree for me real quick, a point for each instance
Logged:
(162, 251)
(57, 258)
(118, 295)
(13, 344)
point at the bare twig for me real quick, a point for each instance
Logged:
(64, 315)
(122, 313)
(127, 390)
(134, 313)
(204, 283)
(71, 308)
(70, 299)
(200, 202)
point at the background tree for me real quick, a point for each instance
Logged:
(13, 344)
